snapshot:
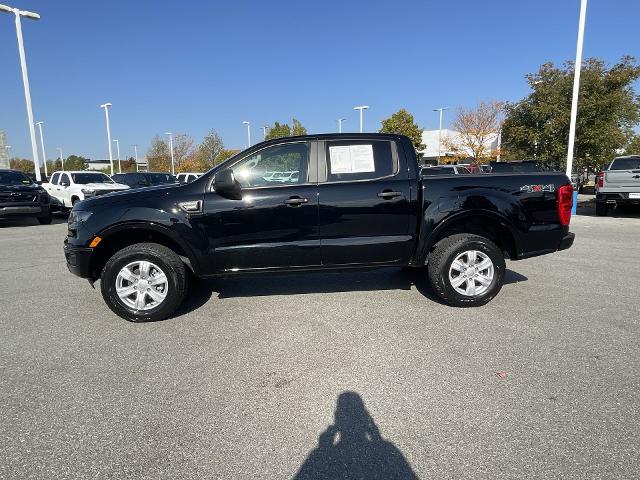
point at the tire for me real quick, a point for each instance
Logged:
(74, 200)
(165, 261)
(46, 220)
(440, 263)
(601, 209)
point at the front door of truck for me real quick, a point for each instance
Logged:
(274, 223)
(364, 202)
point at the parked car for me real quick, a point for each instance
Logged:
(358, 202)
(22, 197)
(188, 177)
(524, 166)
(485, 168)
(144, 179)
(444, 170)
(619, 184)
(72, 187)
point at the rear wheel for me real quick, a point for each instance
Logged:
(46, 220)
(601, 209)
(144, 282)
(466, 270)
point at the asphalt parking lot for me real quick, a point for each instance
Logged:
(259, 377)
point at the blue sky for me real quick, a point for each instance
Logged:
(192, 66)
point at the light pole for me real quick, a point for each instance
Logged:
(106, 116)
(44, 155)
(264, 131)
(25, 79)
(576, 87)
(361, 108)
(441, 109)
(173, 168)
(135, 150)
(248, 124)
(8, 147)
(61, 158)
(117, 142)
(340, 120)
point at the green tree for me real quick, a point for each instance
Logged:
(159, 156)
(633, 147)
(21, 164)
(297, 128)
(402, 123)
(608, 109)
(76, 162)
(207, 153)
(225, 154)
(278, 131)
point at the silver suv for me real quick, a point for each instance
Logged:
(619, 184)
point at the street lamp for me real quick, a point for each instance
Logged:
(44, 155)
(441, 109)
(117, 142)
(248, 124)
(106, 116)
(25, 79)
(576, 88)
(264, 131)
(135, 150)
(173, 168)
(61, 158)
(8, 147)
(361, 108)
(340, 120)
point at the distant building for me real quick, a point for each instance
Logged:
(102, 164)
(449, 138)
(4, 154)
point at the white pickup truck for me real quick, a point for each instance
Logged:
(71, 187)
(619, 184)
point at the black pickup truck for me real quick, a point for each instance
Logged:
(347, 201)
(20, 197)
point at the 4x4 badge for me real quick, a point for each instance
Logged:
(538, 188)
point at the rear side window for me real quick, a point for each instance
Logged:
(54, 179)
(436, 171)
(626, 164)
(352, 160)
(463, 171)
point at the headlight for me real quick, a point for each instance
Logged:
(78, 217)
(88, 191)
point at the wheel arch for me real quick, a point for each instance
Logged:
(119, 236)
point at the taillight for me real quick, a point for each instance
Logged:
(565, 202)
(600, 179)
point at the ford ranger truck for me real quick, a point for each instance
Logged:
(619, 184)
(358, 201)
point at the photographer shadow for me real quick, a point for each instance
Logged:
(352, 448)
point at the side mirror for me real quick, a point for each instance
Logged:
(225, 184)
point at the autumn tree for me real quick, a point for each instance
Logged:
(403, 123)
(159, 156)
(608, 110)
(297, 128)
(477, 127)
(21, 164)
(280, 130)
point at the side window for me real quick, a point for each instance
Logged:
(54, 178)
(351, 160)
(277, 165)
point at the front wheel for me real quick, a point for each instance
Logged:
(144, 282)
(466, 270)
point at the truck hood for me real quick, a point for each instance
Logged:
(106, 186)
(20, 188)
(128, 196)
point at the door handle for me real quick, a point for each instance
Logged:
(636, 176)
(295, 201)
(387, 194)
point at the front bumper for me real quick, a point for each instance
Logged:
(78, 259)
(24, 210)
(567, 241)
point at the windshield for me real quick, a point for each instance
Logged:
(161, 178)
(83, 178)
(14, 178)
(437, 171)
(516, 167)
(629, 163)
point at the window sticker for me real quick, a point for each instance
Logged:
(351, 159)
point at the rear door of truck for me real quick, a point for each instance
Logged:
(364, 202)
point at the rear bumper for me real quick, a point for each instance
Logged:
(616, 199)
(567, 241)
(78, 260)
